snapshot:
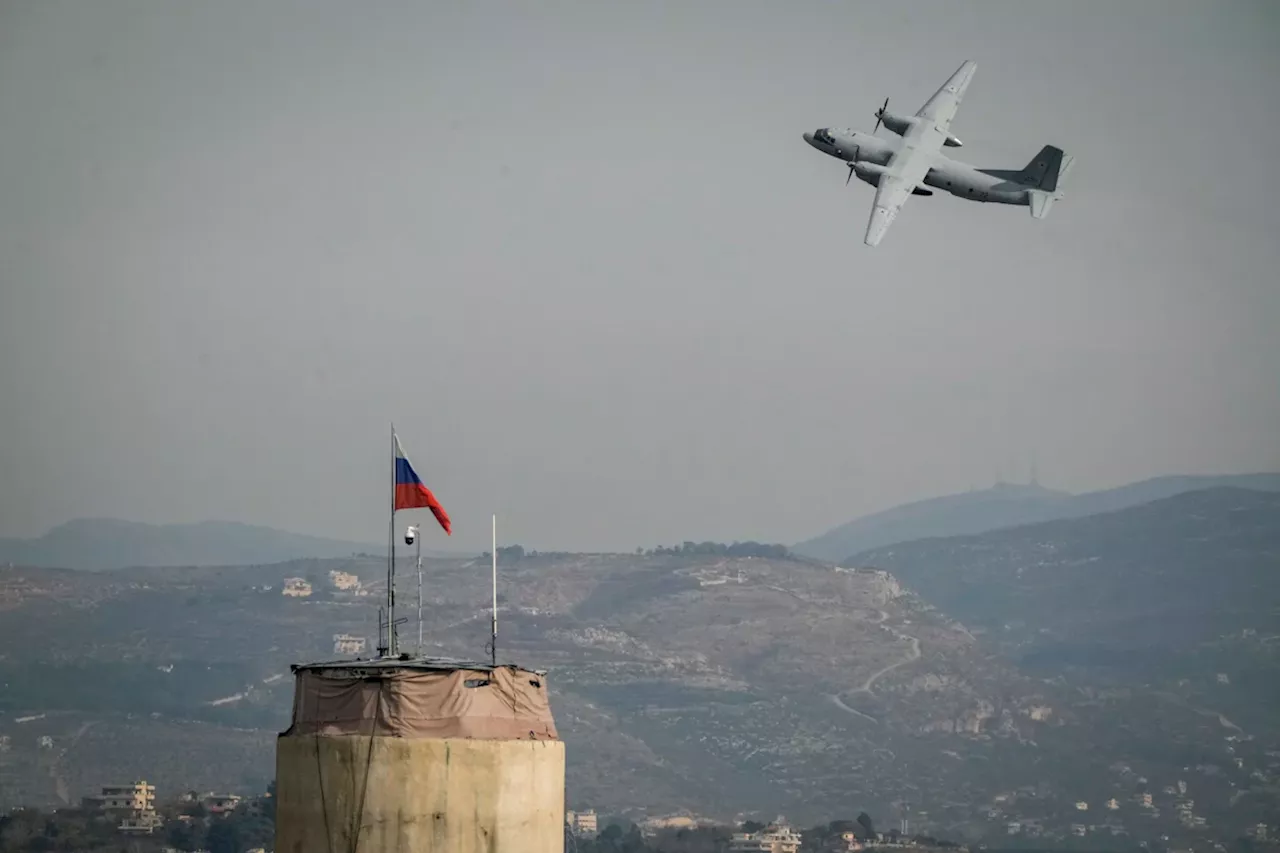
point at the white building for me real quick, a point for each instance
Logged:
(584, 823)
(778, 838)
(138, 797)
(296, 587)
(136, 805)
(347, 644)
(344, 581)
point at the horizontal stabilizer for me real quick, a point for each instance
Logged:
(1041, 203)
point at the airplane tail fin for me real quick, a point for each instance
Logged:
(1042, 172)
(1046, 175)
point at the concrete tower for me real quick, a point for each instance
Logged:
(419, 756)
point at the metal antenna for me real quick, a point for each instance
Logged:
(418, 539)
(493, 636)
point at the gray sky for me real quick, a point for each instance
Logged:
(581, 255)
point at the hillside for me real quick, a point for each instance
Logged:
(102, 543)
(709, 683)
(1002, 506)
(1175, 592)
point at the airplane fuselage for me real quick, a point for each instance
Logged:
(867, 152)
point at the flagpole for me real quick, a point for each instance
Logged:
(493, 643)
(391, 563)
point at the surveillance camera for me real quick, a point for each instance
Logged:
(410, 534)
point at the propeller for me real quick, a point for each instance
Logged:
(852, 163)
(880, 113)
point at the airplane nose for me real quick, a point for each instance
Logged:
(808, 137)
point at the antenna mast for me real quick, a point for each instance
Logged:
(417, 535)
(493, 635)
(384, 627)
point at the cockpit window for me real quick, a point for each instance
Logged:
(823, 136)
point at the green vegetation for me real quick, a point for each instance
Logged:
(617, 838)
(509, 554)
(720, 549)
(187, 826)
(1173, 593)
(181, 690)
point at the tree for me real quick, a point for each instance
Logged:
(195, 809)
(223, 837)
(615, 839)
(269, 804)
(183, 835)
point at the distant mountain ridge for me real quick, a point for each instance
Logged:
(1006, 505)
(1174, 590)
(105, 543)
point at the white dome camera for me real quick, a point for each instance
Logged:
(410, 533)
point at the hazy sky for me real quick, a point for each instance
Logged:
(580, 254)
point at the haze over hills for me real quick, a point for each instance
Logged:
(102, 543)
(723, 683)
(1176, 591)
(1004, 505)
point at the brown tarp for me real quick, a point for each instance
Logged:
(505, 704)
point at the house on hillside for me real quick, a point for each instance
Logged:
(849, 843)
(220, 803)
(585, 824)
(777, 838)
(296, 587)
(135, 805)
(347, 644)
(344, 581)
(651, 825)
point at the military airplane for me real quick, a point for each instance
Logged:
(900, 168)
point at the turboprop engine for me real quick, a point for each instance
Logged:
(901, 124)
(870, 173)
(867, 172)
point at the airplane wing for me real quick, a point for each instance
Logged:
(904, 172)
(941, 108)
(908, 167)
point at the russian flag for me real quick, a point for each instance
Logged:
(412, 494)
